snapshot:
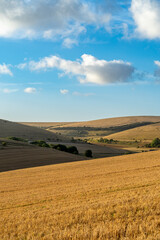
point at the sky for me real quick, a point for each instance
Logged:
(77, 60)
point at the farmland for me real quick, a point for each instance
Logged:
(50, 194)
(109, 198)
(79, 120)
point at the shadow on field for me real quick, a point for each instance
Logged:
(13, 159)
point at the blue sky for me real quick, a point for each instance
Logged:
(72, 60)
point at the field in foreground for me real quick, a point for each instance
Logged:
(112, 198)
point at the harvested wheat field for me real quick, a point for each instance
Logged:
(110, 198)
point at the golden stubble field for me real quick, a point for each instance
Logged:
(111, 198)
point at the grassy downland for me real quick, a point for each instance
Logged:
(97, 128)
(145, 133)
(9, 129)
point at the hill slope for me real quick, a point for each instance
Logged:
(148, 132)
(100, 123)
(113, 198)
(114, 122)
(95, 128)
(8, 129)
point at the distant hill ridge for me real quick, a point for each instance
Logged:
(103, 123)
(97, 128)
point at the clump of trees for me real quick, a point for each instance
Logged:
(72, 149)
(40, 143)
(64, 148)
(155, 143)
(60, 147)
(105, 140)
(88, 153)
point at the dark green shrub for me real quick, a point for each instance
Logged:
(72, 149)
(40, 143)
(155, 142)
(60, 147)
(44, 145)
(88, 153)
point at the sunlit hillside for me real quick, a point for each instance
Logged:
(148, 132)
(96, 128)
(103, 123)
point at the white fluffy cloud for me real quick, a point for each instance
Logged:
(89, 69)
(147, 18)
(5, 70)
(64, 91)
(49, 18)
(30, 90)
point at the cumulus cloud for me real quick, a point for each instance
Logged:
(30, 90)
(47, 19)
(4, 69)
(88, 69)
(64, 91)
(147, 18)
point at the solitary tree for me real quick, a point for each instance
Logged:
(88, 153)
